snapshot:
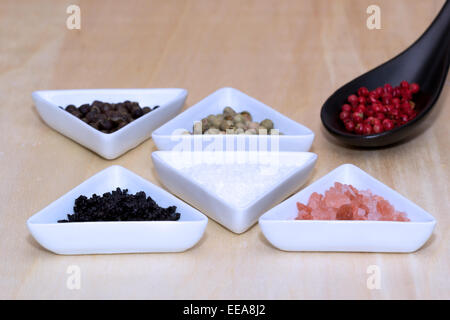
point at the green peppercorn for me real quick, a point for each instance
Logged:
(226, 124)
(238, 118)
(216, 121)
(266, 123)
(211, 118)
(247, 116)
(228, 111)
(241, 125)
(205, 124)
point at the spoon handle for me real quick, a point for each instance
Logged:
(434, 42)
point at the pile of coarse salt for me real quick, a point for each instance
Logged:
(237, 184)
(345, 202)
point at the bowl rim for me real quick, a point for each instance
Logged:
(39, 95)
(159, 132)
(296, 169)
(199, 216)
(266, 217)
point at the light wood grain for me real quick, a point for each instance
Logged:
(289, 54)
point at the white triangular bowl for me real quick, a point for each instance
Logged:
(285, 233)
(108, 145)
(295, 137)
(116, 237)
(236, 219)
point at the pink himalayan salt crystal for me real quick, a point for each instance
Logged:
(345, 202)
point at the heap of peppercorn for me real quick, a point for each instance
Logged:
(108, 117)
(382, 109)
(119, 205)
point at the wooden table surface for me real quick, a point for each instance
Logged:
(289, 54)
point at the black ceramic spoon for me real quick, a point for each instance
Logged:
(425, 62)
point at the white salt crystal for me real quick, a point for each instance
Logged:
(237, 184)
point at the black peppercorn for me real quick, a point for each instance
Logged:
(108, 117)
(128, 117)
(121, 125)
(118, 205)
(122, 109)
(137, 112)
(84, 109)
(106, 124)
(71, 108)
(96, 109)
(91, 116)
